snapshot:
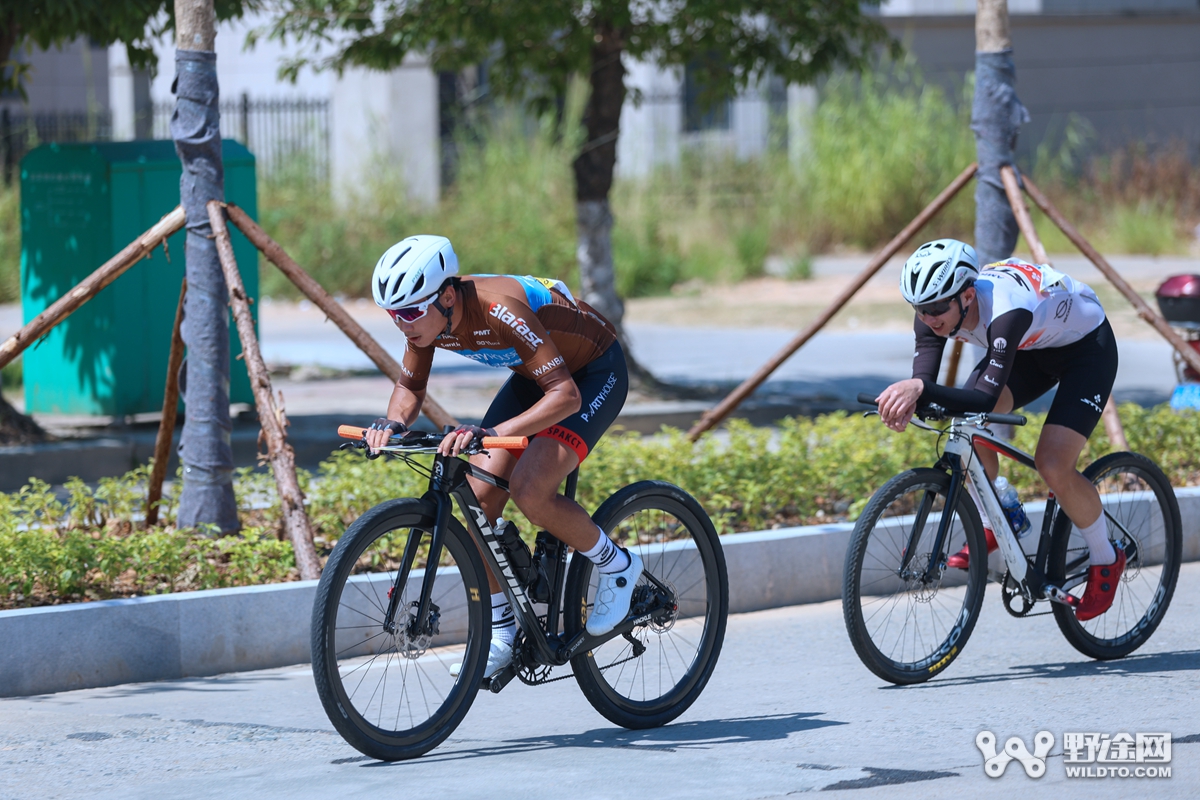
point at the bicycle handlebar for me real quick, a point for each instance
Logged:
(489, 442)
(937, 412)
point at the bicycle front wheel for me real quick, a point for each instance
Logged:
(391, 694)
(909, 617)
(1143, 517)
(653, 674)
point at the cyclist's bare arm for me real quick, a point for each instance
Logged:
(404, 406)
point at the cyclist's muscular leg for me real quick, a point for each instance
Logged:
(1057, 454)
(492, 499)
(535, 483)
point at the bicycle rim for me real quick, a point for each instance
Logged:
(905, 625)
(392, 695)
(1142, 517)
(637, 687)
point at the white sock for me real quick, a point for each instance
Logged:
(1100, 550)
(504, 624)
(607, 557)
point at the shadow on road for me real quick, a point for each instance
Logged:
(1150, 663)
(698, 734)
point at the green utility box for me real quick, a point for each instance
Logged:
(81, 204)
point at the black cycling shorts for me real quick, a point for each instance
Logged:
(603, 384)
(1084, 372)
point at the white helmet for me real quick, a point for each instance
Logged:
(413, 270)
(937, 271)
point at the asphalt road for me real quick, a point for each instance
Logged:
(789, 709)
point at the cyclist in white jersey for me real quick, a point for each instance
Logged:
(1040, 328)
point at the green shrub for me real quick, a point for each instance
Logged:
(802, 471)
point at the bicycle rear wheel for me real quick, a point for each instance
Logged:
(905, 625)
(391, 695)
(650, 683)
(1143, 517)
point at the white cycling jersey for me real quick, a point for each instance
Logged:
(1064, 309)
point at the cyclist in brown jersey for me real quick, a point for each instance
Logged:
(569, 383)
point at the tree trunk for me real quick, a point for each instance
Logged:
(594, 176)
(207, 496)
(996, 117)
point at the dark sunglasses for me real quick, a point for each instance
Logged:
(934, 309)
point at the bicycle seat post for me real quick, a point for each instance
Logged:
(572, 481)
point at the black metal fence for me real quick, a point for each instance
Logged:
(288, 136)
(20, 132)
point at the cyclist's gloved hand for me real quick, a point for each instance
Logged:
(380, 431)
(460, 439)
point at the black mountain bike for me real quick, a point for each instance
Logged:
(404, 598)
(909, 616)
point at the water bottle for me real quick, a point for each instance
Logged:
(1012, 507)
(519, 557)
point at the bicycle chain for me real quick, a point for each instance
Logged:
(528, 675)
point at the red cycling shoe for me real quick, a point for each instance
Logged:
(962, 559)
(1102, 583)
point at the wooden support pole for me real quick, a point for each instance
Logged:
(1025, 222)
(333, 310)
(952, 368)
(88, 288)
(166, 427)
(1143, 310)
(279, 452)
(1112, 419)
(735, 398)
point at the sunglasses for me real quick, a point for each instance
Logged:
(411, 313)
(934, 309)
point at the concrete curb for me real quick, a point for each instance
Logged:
(192, 634)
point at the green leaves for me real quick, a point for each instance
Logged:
(802, 471)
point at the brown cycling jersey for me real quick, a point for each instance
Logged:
(530, 325)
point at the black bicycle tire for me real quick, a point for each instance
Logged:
(621, 710)
(904, 673)
(1071, 628)
(357, 731)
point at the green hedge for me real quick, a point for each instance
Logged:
(802, 471)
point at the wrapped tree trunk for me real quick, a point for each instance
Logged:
(207, 497)
(594, 176)
(996, 118)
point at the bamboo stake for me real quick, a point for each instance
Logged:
(735, 398)
(1143, 310)
(1110, 416)
(283, 460)
(952, 367)
(88, 288)
(333, 310)
(1025, 222)
(1112, 419)
(166, 427)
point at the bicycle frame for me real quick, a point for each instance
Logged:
(449, 479)
(964, 435)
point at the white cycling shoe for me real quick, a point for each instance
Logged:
(500, 655)
(613, 597)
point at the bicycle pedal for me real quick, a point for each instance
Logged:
(501, 679)
(996, 576)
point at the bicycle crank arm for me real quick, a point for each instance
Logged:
(584, 642)
(1057, 595)
(501, 679)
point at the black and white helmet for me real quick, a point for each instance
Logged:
(938, 271)
(413, 270)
